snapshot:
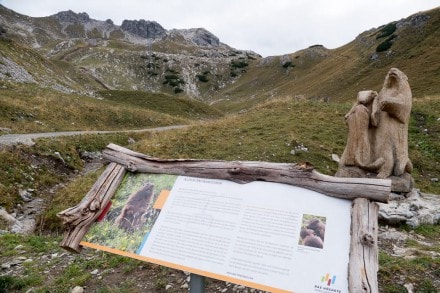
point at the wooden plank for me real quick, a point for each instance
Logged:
(301, 175)
(79, 218)
(363, 265)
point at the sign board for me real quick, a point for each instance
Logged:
(269, 236)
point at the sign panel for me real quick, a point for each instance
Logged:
(268, 236)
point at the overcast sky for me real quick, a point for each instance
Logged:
(268, 27)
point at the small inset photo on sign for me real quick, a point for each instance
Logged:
(312, 231)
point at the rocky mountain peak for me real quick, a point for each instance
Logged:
(416, 20)
(71, 17)
(198, 36)
(144, 28)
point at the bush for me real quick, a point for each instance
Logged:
(385, 45)
(173, 80)
(288, 64)
(387, 30)
(239, 64)
(178, 90)
(2, 31)
(202, 77)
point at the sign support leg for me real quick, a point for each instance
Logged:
(196, 284)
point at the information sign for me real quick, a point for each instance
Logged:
(269, 236)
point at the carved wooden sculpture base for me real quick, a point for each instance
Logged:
(401, 184)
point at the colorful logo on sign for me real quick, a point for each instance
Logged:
(329, 281)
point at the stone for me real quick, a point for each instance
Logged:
(377, 143)
(25, 195)
(415, 209)
(335, 158)
(90, 156)
(168, 287)
(409, 287)
(5, 129)
(58, 155)
(77, 289)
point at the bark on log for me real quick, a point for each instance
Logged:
(301, 175)
(79, 218)
(363, 265)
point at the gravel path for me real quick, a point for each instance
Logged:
(12, 139)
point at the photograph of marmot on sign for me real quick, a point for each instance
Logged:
(138, 209)
(132, 213)
(312, 231)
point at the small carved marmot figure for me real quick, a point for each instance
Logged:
(138, 205)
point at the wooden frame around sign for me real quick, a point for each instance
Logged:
(363, 259)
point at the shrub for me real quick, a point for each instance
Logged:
(2, 31)
(387, 30)
(239, 64)
(385, 45)
(177, 90)
(288, 64)
(202, 77)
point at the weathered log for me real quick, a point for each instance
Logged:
(363, 265)
(301, 175)
(79, 218)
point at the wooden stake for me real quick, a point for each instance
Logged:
(79, 218)
(363, 264)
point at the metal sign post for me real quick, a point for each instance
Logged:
(196, 284)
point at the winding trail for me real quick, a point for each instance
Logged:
(26, 138)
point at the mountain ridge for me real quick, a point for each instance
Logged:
(142, 55)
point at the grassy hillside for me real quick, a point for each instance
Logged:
(33, 109)
(163, 103)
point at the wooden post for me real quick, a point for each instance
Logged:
(363, 264)
(301, 175)
(79, 218)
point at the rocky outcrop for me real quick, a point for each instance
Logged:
(416, 20)
(150, 30)
(414, 209)
(198, 36)
(9, 70)
(71, 17)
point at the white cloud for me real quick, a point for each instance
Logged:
(267, 27)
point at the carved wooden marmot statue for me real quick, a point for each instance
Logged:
(138, 205)
(378, 133)
(395, 103)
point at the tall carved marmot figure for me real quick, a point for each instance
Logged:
(392, 111)
(138, 205)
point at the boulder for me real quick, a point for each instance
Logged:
(414, 209)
